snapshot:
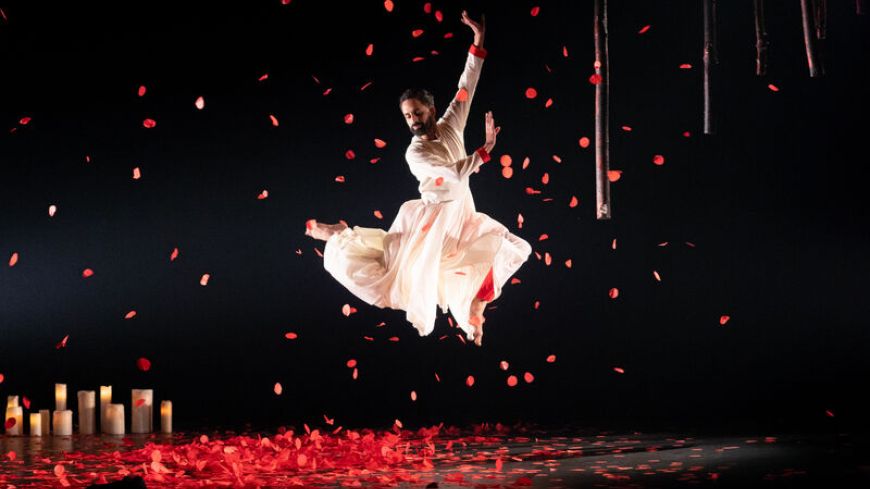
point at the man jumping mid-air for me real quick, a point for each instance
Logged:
(438, 251)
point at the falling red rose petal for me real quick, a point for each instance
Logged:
(13, 259)
(142, 90)
(595, 79)
(618, 370)
(528, 377)
(614, 293)
(278, 388)
(380, 143)
(200, 103)
(535, 11)
(644, 29)
(531, 93)
(349, 154)
(143, 364)
(388, 5)
(469, 381)
(724, 319)
(149, 123)
(512, 380)
(291, 336)
(274, 120)
(62, 343)
(370, 49)
(87, 272)
(659, 160)
(417, 32)
(173, 255)
(204, 279)
(348, 118)
(130, 315)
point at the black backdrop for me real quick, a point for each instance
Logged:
(772, 203)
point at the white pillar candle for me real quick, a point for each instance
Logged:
(62, 423)
(45, 414)
(105, 400)
(142, 411)
(114, 419)
(60, 397)
(35, 424)
(16, 412)
(87, 405)
(11, 401)
(166, 416)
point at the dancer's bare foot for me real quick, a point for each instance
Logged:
(321, 231)
(476, 319)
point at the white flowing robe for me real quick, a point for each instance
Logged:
(438, 249)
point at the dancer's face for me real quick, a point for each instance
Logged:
(419, 117)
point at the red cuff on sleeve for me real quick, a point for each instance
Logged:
(479, 52)
(483, 154)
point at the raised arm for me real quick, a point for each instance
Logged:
(456, 114)
(426, 165)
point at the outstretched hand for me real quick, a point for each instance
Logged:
(478, 28)
(491, 132)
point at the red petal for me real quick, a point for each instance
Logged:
(724, 319)
(595, 79)
(512, 380)
(378, 214)
(149, 123)
(140, 401)
(503, 365)
(137, 174)
(535, 11)
(461, 95)
(370, 49)
(26, 402)
(573, 202)
(24, 121)
(200, 103)
(614, 175)
(143, 364)
(349, 154)
(644, 29)
(142, 90)
(417, 32)
(773, 87)
(348, 119)
(13, 259)
(339, 179)
(274, 120)
(130, 315)
(469, 381)
(380, 143)
(174, 254)
(278, 388)
(388, 4)
(658, 160)
(551, 359)
(10, 422)
(618, 370)
(531, 93)
(614, 293)
(204, 279)
(291, 336)
(87, 272)
(507, 172)
(528, 377)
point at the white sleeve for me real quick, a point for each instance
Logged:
(456, 114)
(425, 165)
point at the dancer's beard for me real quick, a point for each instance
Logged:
(427, 127)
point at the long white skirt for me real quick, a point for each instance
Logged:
(433, 255)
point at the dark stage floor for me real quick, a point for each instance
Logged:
(438, 457)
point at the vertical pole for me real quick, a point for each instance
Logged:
(809, 38)
(761, 41)
(602, 112)
(709, 58)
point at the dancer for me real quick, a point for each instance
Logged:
(438, 252)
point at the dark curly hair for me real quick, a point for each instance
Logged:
(420, 94)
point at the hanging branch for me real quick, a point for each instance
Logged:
(709, 60)
(761, 42)
(820, 15)
(602, 111)
(809, 39)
